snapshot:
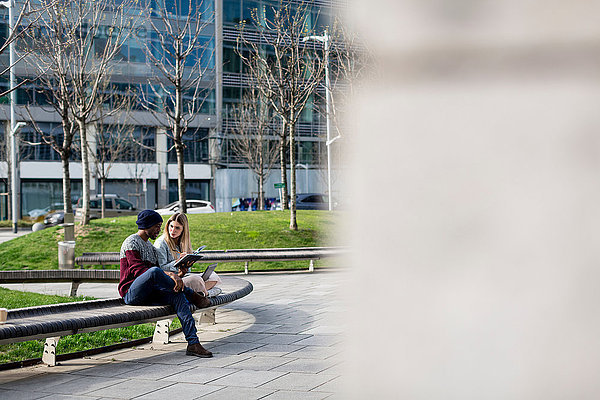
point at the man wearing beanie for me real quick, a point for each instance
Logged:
(144, 283)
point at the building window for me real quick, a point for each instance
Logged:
(196, 146)
(232, 11)
(38, 195)
(194, 190)
(40, 151)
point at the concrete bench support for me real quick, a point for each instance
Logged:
(161, 331)
(74, 287)
(49, 356)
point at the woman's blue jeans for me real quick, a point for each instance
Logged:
(155, 288)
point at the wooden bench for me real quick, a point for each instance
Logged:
(236, 255)
(74, 276)
(50, 322)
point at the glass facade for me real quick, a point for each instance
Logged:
(194, 190)
(196, 146)
(137, 144)
(39, 194)
(33, 147)
(131, 78)
(312, 119)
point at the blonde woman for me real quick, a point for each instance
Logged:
(173, 244)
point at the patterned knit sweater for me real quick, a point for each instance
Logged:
(137, 256)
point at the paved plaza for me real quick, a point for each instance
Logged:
(282, 341)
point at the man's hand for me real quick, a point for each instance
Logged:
(178, 281)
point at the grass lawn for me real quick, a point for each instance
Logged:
(68, 344)
(218, 231)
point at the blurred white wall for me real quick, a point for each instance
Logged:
(484, 259)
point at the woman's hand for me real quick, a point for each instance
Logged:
(182, 271)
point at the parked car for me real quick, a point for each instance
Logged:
(193, 207)
(54, 218)
(40, 212)
(312, 201)
(114, 206)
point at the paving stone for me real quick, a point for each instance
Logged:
(116, 368)
(276, 350)
(137, 355)
(69, 397)
(325, 330)
(259, 328)
(291, 329)
(284, 338)
(218, 360)
(320, 340)
(181, 391)
(298, 381)
(20, 373)
(38, 382)
(287, 395)
(333, 386)
(305, 365)
(248, 378)
(236, 348)
(249, 337)
(83, 385)
(260, 363)
(156, 371)
(237, 393)
(6, 394)
(169, 358)
(317, 352)
(200, 375)
(129, 389)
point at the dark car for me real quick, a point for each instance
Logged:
(312, 201)
(54, 218)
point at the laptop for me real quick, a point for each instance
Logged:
(209, 270)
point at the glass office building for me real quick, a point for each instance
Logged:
(147, 175)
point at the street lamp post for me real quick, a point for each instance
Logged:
(13, 100)
(305, 176)
(325, 40)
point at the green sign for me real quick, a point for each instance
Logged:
(279, 185)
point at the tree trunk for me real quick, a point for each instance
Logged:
(102, 193)
(282, 157)
(85, 164)
(181, 178)
(66, 183)
(293, 222)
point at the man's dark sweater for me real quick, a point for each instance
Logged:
(137, 256)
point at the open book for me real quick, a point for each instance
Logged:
(189, 258)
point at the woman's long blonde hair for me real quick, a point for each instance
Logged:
(185, 244)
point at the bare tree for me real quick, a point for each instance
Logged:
(253, 140)
(63, 145)
(283, 69)
(178, 57)
(74, 44)
(113, 139)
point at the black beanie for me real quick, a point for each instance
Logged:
(147, 219)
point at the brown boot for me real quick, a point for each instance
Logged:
(200, 300)
(197, 350)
